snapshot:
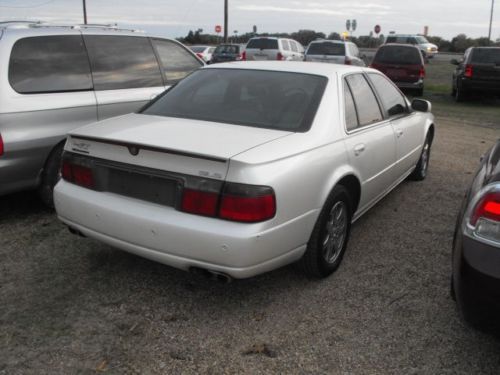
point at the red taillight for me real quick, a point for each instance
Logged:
(280, 57)
(1, 145)
(348, 61)
(77, 174)
(468, 71)
(247, 203)
(488, 207)
(244, 56)
(199, 202)
(199, 55)
(422, 72)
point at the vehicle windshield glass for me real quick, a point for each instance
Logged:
(263, 43)
(421, 40)
(398, 55)
(198, 49)
(326, 48)
(258, 98)
(227, 49)
(486, 56)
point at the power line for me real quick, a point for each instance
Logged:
(28, 6)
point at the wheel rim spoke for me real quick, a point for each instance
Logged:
(335, 232)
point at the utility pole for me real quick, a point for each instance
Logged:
(491, 19)
(225, 20)
(84, 13)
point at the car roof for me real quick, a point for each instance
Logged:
(399, 45)
(329, 41)
(322, 69)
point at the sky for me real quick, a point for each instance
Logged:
(174, 18)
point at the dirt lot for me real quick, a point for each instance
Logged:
(72, 305)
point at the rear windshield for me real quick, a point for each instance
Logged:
(228, 49)
(398, 55)
(198, 49)
(486, 56)
(263, 43)
(264, 99)
(330, 49)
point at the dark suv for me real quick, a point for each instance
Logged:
(403, 64)
(228, 52)
(478, 72)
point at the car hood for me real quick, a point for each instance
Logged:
(197, 137)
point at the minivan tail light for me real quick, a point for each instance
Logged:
(247, 203)
(77, 174)
(468, 71)
(280, 56)
(348, 61)
(243, 56)
(1, 145)
(422, 72)
(199, 202)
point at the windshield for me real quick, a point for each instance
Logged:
(326, 48)
(265, 99)
(231, 49)
(198, 49)
(398, 55)
(421, 40)
(263, 43)
(486, 56)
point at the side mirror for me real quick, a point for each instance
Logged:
(421, 105)
(454, 62)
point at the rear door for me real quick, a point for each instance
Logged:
(408, 126)
(125, 72)
(262, 49)
(327, 52)
(370, 139)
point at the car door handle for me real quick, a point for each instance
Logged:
(399, 132)
(358, 149)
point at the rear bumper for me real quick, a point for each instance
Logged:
(492, 86)
(410, 85)
(179, 239)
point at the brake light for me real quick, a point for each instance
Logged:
(77, 174)
(244, 56)
(488, 207)
(348, 61)
(199, 55)
(468, 71)
(280, 57)
(247, 203)
(422, 72)
(199, 202)
(1, 145)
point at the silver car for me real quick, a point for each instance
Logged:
(54, 79)
(245, 167)
(270, 48)
(334, 51)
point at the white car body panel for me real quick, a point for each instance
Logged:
(302, 169)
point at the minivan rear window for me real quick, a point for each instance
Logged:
(486, 56)
(326, 48)
(264, 99)
(49, 64)
(263, 43)
(400, 55)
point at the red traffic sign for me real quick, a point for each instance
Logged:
(377, 29)
(218, 28)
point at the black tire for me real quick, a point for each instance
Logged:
(420, 171)
(460, 94)
(50, 176)
(314, 262)
(419, 92)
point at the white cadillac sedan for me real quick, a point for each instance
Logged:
(242, 168)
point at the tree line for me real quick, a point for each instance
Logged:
(457, 44)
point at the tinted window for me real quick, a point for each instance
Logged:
(351, 118)
(273, 100)
(286, 45)
(326, 48)
(392, 100)
(120, 62)
(230, 49)
(391, 39)
(263, 43)
(400, 55)
(49, 64)
(176, 61)
(366, 103)
(294, 46)
(486, 56)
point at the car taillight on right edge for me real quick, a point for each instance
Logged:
(347, 61)
(243, 56)
(280, 57)
(485, 217)
(1, 145)
(77, 174)
(422, 72)
(468, 71)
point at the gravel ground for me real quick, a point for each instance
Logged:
(71, 305)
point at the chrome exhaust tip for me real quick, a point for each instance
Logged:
(212, 275)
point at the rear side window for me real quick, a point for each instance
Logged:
(364, 98)
(351, 118)
(294, 46)
(49, 64)
(398, 55)
(122, 62)
(486, 56)
(392, 100)
(286, 45)
(176, 61)
(263, 44)
(327, 48)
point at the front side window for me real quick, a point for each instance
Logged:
(364, 98)
(264, 99)
(176, 61)
(49, 64)
(122, 62)
(392, 100)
